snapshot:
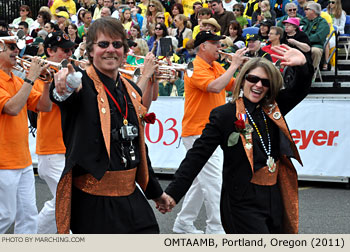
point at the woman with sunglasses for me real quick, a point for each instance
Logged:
(153, 7)
(25, 14)
(338, 15)
(160, 31)
(291, 10)
(259, 190)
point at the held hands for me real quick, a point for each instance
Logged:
(165, 203)
(290, 56)
(61, 79)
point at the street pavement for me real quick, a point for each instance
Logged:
(324, 207)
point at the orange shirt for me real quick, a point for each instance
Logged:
(198, 101)
(49, 138)
(14, 147)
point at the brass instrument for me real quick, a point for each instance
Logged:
(166, 71)
(23, 65)
(135, 75)
(19, 39)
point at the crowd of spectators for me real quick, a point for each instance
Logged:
(169, 27)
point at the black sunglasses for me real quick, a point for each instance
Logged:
(130, 3)
(105, 44)
(292, 10)
(12, 46)
(236, 10)
(161, 18)
(331, 2)
(255, 79)
(151, 5)
(68, 50)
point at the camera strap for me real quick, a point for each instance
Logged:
(125, 121)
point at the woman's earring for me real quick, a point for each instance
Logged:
(240, 93)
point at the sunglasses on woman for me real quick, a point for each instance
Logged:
(151, 5)
(331, 2)
(292, 10)
(255, 79)
(105, 44)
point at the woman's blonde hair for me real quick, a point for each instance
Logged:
(142, 45)
(158, 5)
(184, 19)
(338, 9)
(273, 74)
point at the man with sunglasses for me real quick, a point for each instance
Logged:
(17, 183)
(103, 131)
(49, 141)
(205, 90)
(317, 29)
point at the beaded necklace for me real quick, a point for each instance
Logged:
(270, 162)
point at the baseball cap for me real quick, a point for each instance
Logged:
(266, 22)
(59, 39)
(62, 14)
(206, 36)
(38, 40)
(253, 37)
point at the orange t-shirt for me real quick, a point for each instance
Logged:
(198, 101)
(49, 138)
(14, 146)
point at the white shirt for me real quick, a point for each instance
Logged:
(228, 6)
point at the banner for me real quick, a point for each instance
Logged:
(319, 129)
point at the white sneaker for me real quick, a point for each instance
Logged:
(186, 229)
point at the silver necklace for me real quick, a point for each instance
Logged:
(270, 162)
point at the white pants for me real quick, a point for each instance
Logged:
(50, 168)
(18, 201)
(206, 188)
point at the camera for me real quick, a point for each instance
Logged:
(129, 132)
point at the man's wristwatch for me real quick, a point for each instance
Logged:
(29, 81)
